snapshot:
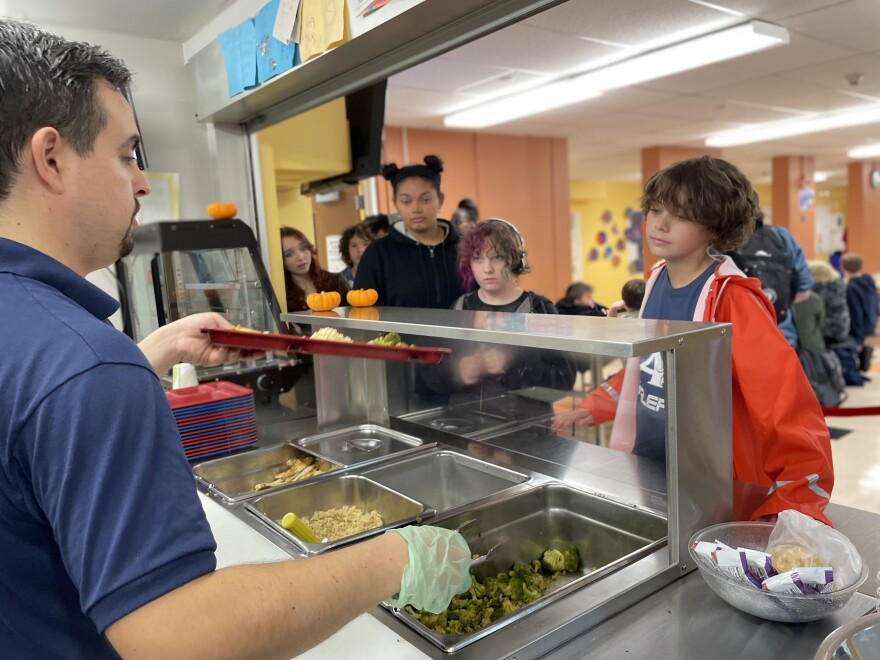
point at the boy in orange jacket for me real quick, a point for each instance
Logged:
(781, 443)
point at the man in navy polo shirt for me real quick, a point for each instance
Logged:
(105, 546)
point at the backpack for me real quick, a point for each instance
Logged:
(764, 257)
(823, 372)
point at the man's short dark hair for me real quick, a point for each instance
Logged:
(47, 81)
(709, 191)
(633, 292)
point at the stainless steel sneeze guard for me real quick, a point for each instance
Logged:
(638, 515)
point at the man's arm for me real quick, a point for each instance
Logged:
(264, 610)
(184, 341)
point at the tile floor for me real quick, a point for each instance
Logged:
(857, 454)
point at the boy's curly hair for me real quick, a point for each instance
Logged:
(711, 192)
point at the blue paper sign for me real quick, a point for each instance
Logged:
(273, 56)
(238, 46)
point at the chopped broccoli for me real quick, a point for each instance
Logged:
(553, 561)
(488, 600)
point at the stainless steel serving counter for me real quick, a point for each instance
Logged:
(682, 620)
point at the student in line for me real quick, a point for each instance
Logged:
(414, 266)
(780, 440)
(354, 242)
(631, 296)
(303, 273)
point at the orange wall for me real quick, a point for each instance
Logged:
(789, 173)
(863, 214)
(519, 178)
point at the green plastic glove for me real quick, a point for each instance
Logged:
(439, 567)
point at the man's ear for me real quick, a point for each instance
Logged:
(46, 150)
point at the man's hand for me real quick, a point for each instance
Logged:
(578, 417)
(184, 341)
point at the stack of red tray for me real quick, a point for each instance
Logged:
(214, 418)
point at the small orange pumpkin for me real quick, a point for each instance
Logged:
(222, 210)
(364, 313)
(362, 297)
(324, 301)
(328, 314)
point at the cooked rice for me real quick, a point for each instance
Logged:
(342, 521)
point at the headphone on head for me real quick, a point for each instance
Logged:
(519, 265)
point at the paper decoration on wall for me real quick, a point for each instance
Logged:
(601, 238)
(237, 47)
(273, 56)
(609, 251)
(322, 26)
(633, 235)
(615, 261)
(615, 229)
(594, 255)
(606, 217)
(367, 7)
(621, 244)
(285, 21)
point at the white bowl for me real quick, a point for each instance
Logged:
(789, 608)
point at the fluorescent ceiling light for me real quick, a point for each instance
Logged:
(868, 114)
(868, 151)
(691, 54)
(539, 99)
(687, 55)
(820, 177)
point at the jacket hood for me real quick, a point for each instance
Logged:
(398, 233)
(727, 273)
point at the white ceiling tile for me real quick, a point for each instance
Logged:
(784, 93)
(530, 49)
(629, 23)
(775, 10)
(701, 108)
(444, 74)
(854, 24)
(832, 74)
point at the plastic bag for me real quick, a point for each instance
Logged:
(799, 538)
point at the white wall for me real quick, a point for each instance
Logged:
(165, 102)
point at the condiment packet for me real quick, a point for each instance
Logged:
(704, 550)
(760, 563)
(733, 564)
(806, 580)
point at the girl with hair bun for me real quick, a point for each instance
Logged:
(414, 265)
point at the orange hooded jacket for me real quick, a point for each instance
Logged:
(780, 440)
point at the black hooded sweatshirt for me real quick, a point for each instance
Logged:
(406, 273)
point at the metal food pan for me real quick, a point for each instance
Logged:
(360, 444)
(233, 478)
(446, 479)
(395, 508)
(608, 536)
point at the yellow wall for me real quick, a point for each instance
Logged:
(308, 147)
(608, 210)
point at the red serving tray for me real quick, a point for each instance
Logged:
(213, 392)
(268, 341)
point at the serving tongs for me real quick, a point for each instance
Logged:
(480, 559)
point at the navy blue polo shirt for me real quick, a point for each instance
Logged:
(98, 508)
